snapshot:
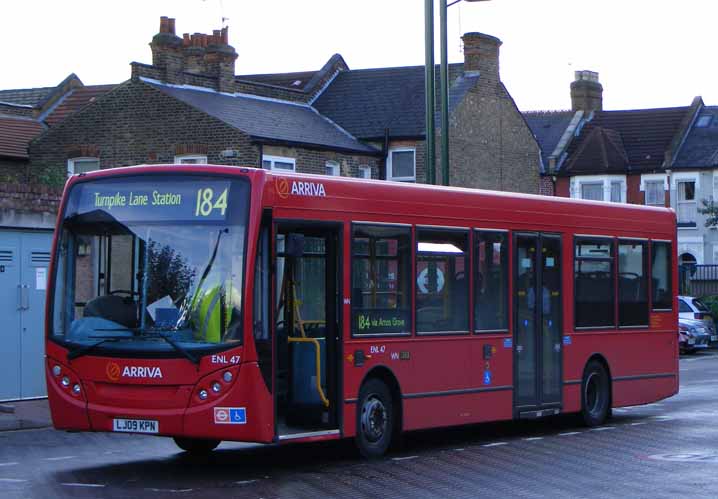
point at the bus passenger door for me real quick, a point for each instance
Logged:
(537, 325)
(306, 319)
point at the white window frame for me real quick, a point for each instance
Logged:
(71, 163)
(365, 171)
(605, 180)
(281, 159)
(389, 171)
(654, 177)
(194, 159)
(335, 168)
(693, 202)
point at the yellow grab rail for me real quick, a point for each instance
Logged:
(314, 341)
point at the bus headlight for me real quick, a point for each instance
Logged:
(56, 370)
(203, 394)
(216, 387)
(76, 389)
(65, 382)
(227, 376)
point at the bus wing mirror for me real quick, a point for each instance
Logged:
(295, 245)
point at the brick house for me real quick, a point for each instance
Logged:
(189, 106)
(659, 157)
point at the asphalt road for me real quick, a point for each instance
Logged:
(668, 449)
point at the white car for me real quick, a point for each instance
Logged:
(693, 308)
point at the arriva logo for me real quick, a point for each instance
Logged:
(314, 189)
(141, 372)
(113, 371)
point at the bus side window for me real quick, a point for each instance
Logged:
(632, 283)
(442, 293)
(381, 285)
(491, 281)
(661, 289)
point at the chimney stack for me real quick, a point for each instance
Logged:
(167, 51)
(219, 60)
(481, 55)
(586, 92)
(198, 53)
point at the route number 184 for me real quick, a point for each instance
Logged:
(206, 202)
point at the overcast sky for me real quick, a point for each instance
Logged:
(649, 53)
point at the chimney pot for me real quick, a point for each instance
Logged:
(225, 36)
(171, 25)
(186, 40)
(164, 24)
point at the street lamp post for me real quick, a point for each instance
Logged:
(444, 88)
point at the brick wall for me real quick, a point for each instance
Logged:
(491, 146)
(29, 198)
(563, 187)
(546, 186)
(314, 161)
(13, 170)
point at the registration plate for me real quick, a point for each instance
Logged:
(135, 425)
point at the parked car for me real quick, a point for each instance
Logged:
(693, 335)
(690, 307)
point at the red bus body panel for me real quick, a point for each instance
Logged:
(439, 377)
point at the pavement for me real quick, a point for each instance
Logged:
(24, 415)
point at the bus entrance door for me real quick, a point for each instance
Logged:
(537, 325)
(307, 329)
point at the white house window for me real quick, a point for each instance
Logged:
(599, 188)
(82, 165)
(401, 165)
(592, 191)
(616, 187)
(332, 168)
(191, 159)
(364, 171)
(655, 191)
(279, 163)
(686, 201)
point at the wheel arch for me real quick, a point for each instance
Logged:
(387, 376)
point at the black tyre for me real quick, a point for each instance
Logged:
(595, 394)
(196, 445)
(375, 419)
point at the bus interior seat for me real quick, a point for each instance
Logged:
(119, 309)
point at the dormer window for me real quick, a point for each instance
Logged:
(704, 121)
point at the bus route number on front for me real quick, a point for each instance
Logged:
(207, 202)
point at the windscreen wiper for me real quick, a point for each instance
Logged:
(177, 347)
(139, 333)
(79, 352)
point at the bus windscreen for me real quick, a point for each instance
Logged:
(151, 263)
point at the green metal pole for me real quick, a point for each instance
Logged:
(444, 85)
(429, 88)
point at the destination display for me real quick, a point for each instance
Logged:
(384, 321)
(201, 200)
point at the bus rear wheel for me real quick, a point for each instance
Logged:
(375, 419)
(196, 445)
(595, 394)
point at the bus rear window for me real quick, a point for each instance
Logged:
(661, 289)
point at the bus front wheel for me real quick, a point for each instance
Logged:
(196, 445)
(375, 419)
(595, 394)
